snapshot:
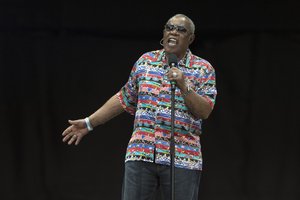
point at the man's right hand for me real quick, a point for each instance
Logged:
(75, 132)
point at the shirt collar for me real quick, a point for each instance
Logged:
(185, 61)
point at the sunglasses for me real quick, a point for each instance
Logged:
(171, 27)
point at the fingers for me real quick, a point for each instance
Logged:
(71, 138)
(67, 131)
(73, 122)
(74, 133)
(78, 140)
(174, 74)
(79, 123)
(69, 135)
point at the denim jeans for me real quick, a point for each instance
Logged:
(142, 180)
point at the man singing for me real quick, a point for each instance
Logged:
(147, 96)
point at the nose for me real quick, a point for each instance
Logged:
(174, 30)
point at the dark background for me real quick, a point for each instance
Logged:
(62, 60)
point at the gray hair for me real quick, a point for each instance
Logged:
(191, 23)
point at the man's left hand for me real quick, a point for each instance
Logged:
(175, 74)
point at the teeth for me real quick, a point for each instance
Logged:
(172, 41)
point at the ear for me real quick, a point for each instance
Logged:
(192, 38)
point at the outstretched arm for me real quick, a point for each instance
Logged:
(78, 129)
(109, 110)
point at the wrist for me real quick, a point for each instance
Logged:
(187, 91)
(88, 124)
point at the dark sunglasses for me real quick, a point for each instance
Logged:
(171, 27)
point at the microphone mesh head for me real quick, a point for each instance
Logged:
(172, 59)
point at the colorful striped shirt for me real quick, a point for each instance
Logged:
(147, 95)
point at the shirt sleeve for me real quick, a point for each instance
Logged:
(207, 87)
(128, 93)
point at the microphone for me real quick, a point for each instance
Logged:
(173, 62)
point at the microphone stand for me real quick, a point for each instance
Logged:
(172, 141)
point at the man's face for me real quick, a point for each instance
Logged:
(177, 36)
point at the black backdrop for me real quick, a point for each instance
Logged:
(61, 60)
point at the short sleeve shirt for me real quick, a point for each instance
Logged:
(147, 96)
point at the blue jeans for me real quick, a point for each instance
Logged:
(142, 179)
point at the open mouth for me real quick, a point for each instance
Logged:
(172, 42)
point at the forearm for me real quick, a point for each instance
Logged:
(109, 110)
(197, 105)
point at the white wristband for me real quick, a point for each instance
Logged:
(88, 124)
